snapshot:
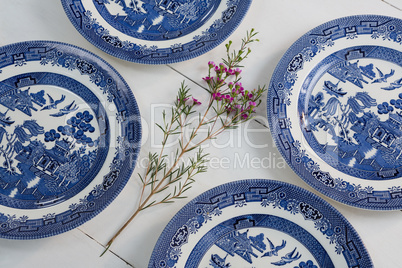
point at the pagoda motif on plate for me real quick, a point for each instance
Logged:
(355, 119)
(39, 164)
(157, 20)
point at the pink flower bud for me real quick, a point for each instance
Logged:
(196, 102)
(208, 78)
(217, 96)
(237, 71)
(230, 72)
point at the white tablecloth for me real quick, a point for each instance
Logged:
(248, 152)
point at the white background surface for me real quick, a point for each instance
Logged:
(279, 24)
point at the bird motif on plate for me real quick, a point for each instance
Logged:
(5, 120)
(53, 103)
(274, 249)
(383, 77)
(394, 85)
(66, 110)
(288, 258)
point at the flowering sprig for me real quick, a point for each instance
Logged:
(229, 105)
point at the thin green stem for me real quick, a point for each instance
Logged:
(181, 175)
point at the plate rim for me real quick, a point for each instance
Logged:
(176, 221)
(239, 16)
(281, 65)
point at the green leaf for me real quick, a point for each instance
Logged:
(142, 180)
(181, 197)
(149, 205)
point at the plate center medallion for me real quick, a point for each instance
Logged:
(51, 139)
(350, 107)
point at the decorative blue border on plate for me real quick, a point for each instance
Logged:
(197, 11)
(100, 37)
(269, 194)
(281, 87)
(106, 79)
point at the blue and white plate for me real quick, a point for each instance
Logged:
(156, 31)
(259, 223)
(69, 137)
(335, 110)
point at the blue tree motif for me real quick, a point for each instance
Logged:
(51, 135)
(189, 10)
(81, 122)
(76, 128)
(386, 107)
(315, 104)
(80, 161)
(21, 134)
(308, 264)
(334, 113)
(76, 168)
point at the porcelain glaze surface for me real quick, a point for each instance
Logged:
(156, 32)
(334, 107)
(69, 137)
(259, 223)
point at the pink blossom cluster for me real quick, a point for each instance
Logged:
(234, 99)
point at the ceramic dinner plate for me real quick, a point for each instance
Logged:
(335, 110)
(259, 223)
(69, 137)
(156, 31)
